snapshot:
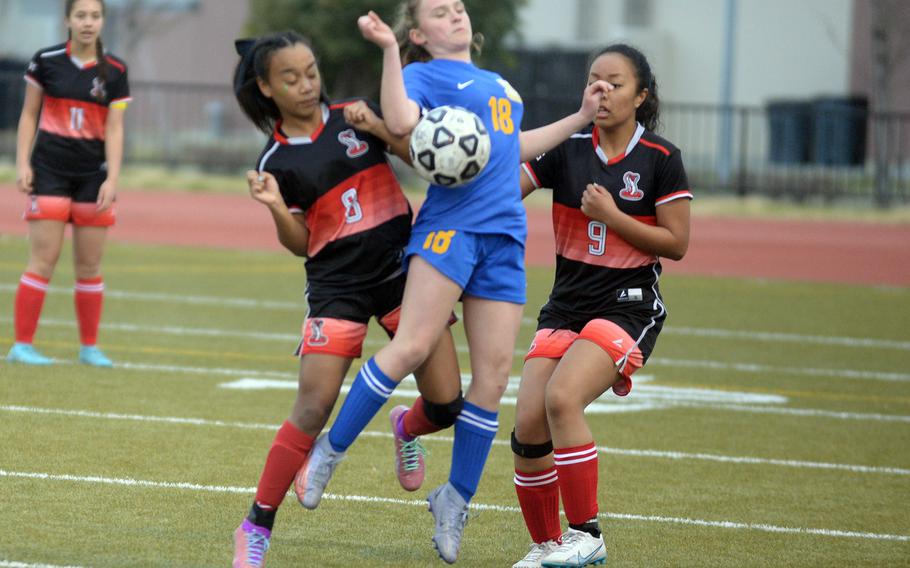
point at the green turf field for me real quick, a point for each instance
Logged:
(771, 428)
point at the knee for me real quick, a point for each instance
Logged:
(412, 352)
(87, 269)
(531, 424)
(560, 403)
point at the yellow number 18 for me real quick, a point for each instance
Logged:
(501, 109)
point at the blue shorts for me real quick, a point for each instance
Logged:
(488, 266)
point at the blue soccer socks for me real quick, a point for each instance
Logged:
(371, 389)
(474, 433)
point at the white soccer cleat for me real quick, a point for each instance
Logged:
(311, 480)
(536, 554)
(450, 512)
(578, 549)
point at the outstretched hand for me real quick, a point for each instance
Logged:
(592, 97)
(263, 187)
(375, 30)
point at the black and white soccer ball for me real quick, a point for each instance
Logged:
(450, 146)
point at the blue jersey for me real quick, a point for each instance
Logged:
(491, 203)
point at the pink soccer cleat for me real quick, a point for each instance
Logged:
(409, 462)
(251, 542)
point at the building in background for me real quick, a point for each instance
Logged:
(740, 79)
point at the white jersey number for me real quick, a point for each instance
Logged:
(352, 210)
(597, 232)
(77, 118)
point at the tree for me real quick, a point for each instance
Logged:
(350, 65)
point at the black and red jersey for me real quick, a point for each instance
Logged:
(75, 104)
(598, 273)
(340, 179)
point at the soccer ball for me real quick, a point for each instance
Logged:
(449, 146)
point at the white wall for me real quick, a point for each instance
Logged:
(29, 25)
(784, 48)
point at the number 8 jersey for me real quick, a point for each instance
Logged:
(339, 179)
(75, 103)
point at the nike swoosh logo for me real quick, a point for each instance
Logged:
(465, 85)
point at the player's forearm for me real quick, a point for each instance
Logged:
(113, 150)
(25, 138)
(292, 234)
(399, 112)
(657, 240)
(540, 140)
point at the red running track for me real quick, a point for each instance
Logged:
(820, 251)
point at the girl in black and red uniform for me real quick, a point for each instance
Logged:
(325, 178)
(620, 201)
(70, 172)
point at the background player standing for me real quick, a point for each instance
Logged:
(71, 174)
(620, 201)
(467, 243)
(325, 178)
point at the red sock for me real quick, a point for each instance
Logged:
(538, 496)
(29, 301)
(415, 422)
(577, 469)
(88, 297)
(285, 458)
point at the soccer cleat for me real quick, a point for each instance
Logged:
(317, 470)
(450, 511)
(251, 542)
(91, 355)
(409, 463)
(535, 554)
(577, 549)
(26, 353)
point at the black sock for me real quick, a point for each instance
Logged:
(591, 527)
(260, 517)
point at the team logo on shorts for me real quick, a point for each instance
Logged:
(33, 205)
(356, 147)
(316, 337)
(631, 192)
(98, 89)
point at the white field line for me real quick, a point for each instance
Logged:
(252, 303)
(145, 484)
(656, 454)
(14, 564)
(287, 381)
(654, 361)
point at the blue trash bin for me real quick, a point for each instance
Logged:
(790, 126)
(839, 125)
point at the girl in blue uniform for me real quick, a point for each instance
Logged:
(467, 243)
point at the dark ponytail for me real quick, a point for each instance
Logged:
(255, 58)
(648, 114)
(99, 50)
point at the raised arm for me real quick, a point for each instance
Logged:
(292, 230)
(540, 140)
(399, 112)
(361, 116)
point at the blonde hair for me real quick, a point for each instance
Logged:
(407, 21)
